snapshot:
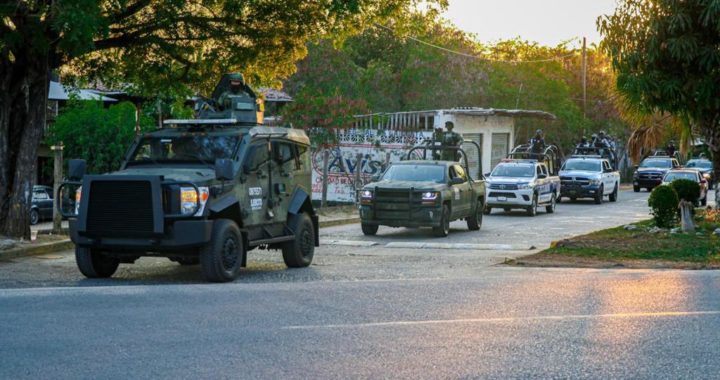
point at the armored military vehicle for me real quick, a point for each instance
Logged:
(201, 191)
(426, 190)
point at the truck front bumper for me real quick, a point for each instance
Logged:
(647, 183)
(181, 234)
(510, 199)
(579, 191)
(425, 216)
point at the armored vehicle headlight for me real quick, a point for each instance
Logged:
(189, 198)
(430, 196)
(366, 196)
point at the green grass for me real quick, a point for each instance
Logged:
(619, 244)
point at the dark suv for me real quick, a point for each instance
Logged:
(651, 171)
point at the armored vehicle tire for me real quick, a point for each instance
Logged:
(34, 217)
(369, 229)
(551, 207)
(221, 257)
(298, 253)
(532, 209)
(94, 264)
(443, 229)
(636, 189)
(614, 194)
(599, 195)
(475, 221)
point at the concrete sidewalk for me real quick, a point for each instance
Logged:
(329, 216)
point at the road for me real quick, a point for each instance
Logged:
(370, 311)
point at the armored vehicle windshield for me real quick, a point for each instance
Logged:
(184, 148)
(416, 173)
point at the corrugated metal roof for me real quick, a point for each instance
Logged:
(475, 111)
(273, 95)
(58, 92)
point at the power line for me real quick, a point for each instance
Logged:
(477, 56)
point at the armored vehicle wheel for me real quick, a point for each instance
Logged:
(551, 207)
(487, 210)
(298, 253)
(34, 217)
(444, 228)
(369, 229)
(636, 189)
(599, 195)
(94, 264)
(614, 195)
(222, 256)
(532, 209)
(475, 221)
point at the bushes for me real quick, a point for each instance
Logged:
(664, 203)
(686, 189)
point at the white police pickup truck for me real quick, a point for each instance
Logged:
(524, 184)
(589, 177)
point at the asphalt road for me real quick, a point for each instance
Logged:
(370, 311)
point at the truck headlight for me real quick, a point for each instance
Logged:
(366, 196)
(525, 186)
(190, 198)
(595, 182)
(430, 196)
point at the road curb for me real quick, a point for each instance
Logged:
(62, 245)
(40, 249)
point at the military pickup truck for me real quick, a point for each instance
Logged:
(201, 191)
(424, 193)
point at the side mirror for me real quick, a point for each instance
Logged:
(457, 181)
(76, 169)
(223, 169)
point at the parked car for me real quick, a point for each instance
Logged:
(589, 177)
(692, 175)
(705, 166)
(42, 204)
(651, 171)
(524, 184)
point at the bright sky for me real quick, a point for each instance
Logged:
(548, 22)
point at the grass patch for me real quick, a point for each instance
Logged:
(641, 247)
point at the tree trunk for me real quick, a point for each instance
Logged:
(23, 108)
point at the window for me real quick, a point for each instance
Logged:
(257, 156)
(538, 171)
(40, 195)
(283, 152)
(459, 172)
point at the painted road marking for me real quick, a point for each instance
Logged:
(350, 243)
(665, 314)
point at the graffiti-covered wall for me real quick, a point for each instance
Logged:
(374, 146)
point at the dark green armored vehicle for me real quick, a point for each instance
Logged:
(202, 191)
(422, 192)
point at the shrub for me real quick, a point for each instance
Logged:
(686, 189)
(664, 203)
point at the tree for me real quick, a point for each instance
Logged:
(155, 45)
(666, 57)
(82, 123)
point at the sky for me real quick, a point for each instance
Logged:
(548, 22)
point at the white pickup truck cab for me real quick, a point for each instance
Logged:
(524, 184)
(589, 177)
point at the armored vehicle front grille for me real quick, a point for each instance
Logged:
(120, 208)
(495, 194)
(504, 186)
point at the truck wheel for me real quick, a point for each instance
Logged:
(532, 210)
(551, 207)
(369, 229)
(221, 257)
(34, 217)
(298, 253)
(444, 228)
(636, 189)
(475, 221)
(614, 195)
(599, 196)
(94, 264)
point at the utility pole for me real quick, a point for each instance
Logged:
(57, 179)
(584, 76)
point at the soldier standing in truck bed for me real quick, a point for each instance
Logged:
(452, 140)
(236, 90)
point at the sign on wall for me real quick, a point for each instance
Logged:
(375, 148)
